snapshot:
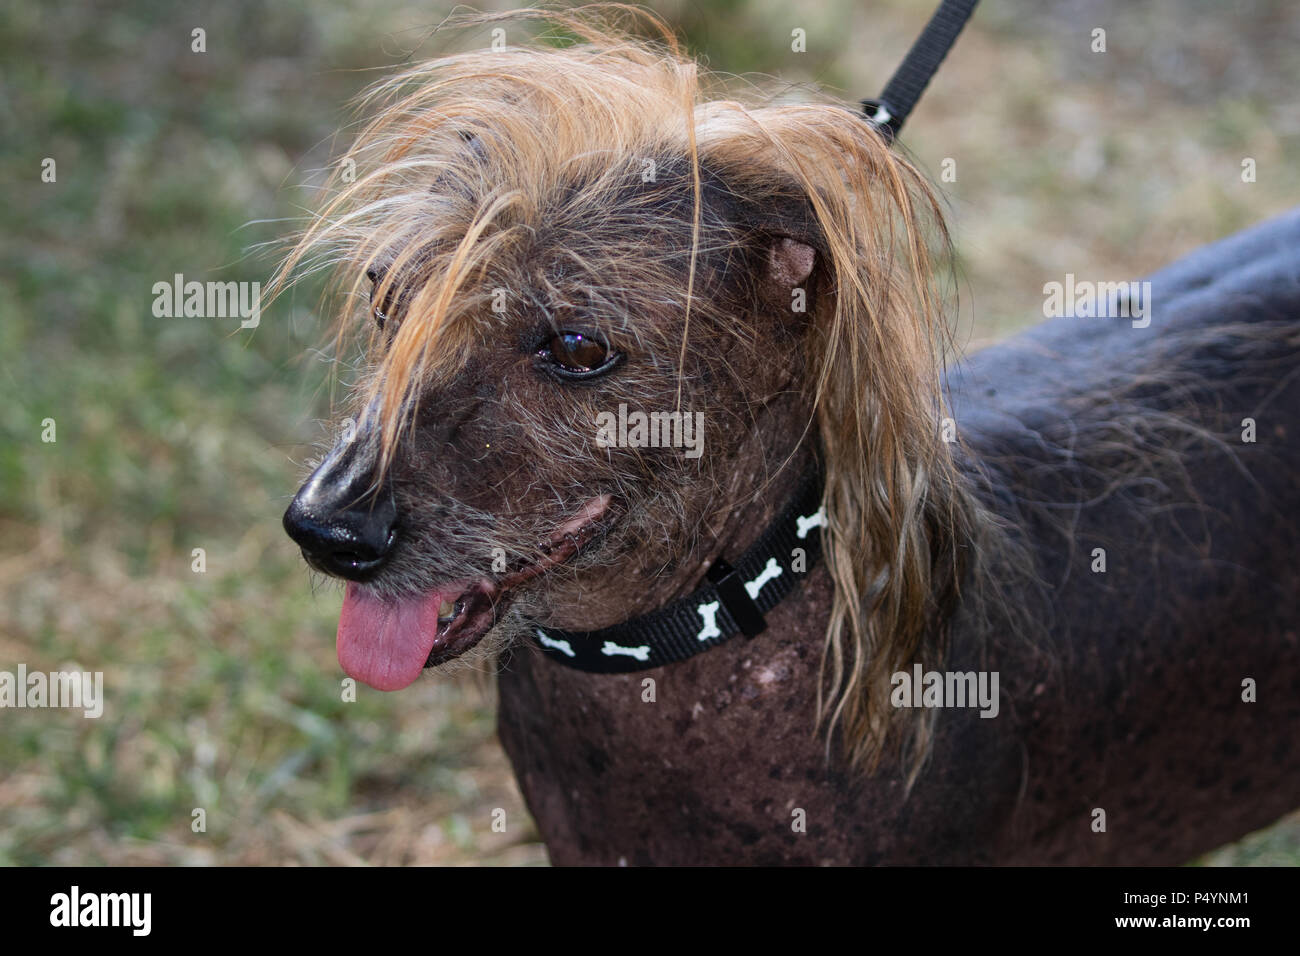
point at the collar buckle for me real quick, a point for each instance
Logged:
(731, 592)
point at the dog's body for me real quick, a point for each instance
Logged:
(1144, 718)
(555, 234)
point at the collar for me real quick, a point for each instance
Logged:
(733, 600)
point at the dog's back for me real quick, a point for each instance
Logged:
(1153, 473)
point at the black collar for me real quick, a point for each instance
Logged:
(732, 600)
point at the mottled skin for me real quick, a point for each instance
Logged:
(1142, 714)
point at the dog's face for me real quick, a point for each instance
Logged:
(568, 451)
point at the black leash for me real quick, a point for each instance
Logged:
(732, 601)
(890, 111)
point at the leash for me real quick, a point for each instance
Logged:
(733, 600)
(890, 111)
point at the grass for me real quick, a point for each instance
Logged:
(182, 434)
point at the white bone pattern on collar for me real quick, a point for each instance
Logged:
(731, 602)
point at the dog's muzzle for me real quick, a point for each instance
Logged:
(344, 521)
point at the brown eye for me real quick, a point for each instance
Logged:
(576, 355)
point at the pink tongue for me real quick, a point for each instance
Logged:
(385, 643)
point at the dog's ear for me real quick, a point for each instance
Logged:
(789, 262)
(785, 265)
(775, 227)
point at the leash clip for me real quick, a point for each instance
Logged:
(882, 118)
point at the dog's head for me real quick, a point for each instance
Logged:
(583, 367)
(602, 311)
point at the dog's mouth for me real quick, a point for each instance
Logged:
(386, 642)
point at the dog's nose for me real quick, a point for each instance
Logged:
(343, 523)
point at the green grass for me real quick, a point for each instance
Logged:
(176, 434)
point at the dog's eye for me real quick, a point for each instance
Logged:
(577, 352)
(575, 355)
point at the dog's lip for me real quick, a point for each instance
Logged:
(477, 607)
(475, 610)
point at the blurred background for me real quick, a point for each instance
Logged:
(182, 433)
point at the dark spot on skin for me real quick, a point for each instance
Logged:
(597, 760)
(748, 835)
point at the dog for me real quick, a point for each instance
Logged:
(639, 358)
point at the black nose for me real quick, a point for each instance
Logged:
(344, 524)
